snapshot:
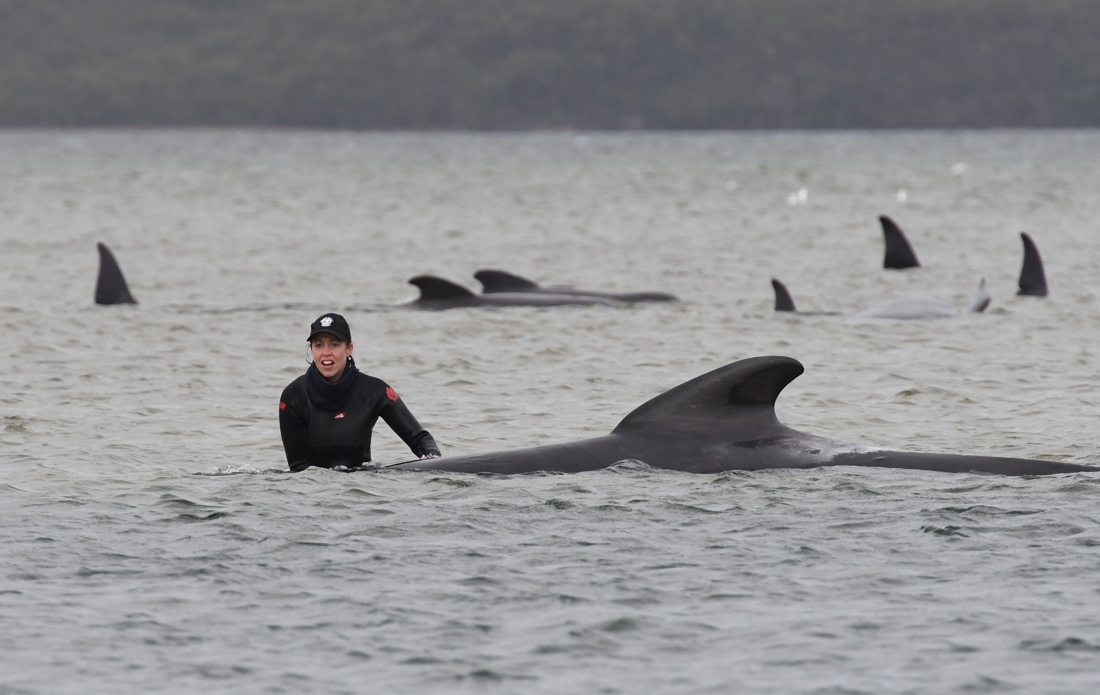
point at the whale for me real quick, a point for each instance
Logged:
(110, 286)
(905, 308)
(499, 281)
(437, 294)
(1033, 280)
(899, 254)
(722, 421)
(784, 302)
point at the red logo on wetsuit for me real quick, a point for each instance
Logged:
(340, 416)
(282, 406)
(391, 394)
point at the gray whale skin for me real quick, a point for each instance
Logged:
(498, 281)
(723, 421)
(438, 294)
(905, 308)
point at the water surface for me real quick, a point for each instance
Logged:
(152, 541)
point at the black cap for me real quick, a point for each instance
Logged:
(333, 324)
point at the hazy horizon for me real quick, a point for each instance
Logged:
(487, 65)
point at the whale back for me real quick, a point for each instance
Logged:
(110, 286)
(783, 299)
(1033, 281)
(907, 308)
(494, 281)
(436, 289)
(737, 399)
(899, 254)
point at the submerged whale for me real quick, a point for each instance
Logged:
(437, 293)
(110, 286)
(1033, 281)
(784, 302)
(724, 421)
(899, 254)
(498, 281)
(904, 308)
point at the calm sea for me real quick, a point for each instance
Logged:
(151, 540)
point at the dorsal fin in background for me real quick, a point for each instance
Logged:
(1033, 281)
(744, 391)
(110, 287)
(783, 300)
(899, 254)
(500, 281)
(434, 288)
(981, 299)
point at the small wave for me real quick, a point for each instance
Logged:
(484, 674)
(619, 625)
(239, 469)
(631, 466)
(1069, 644)
(948, 530)
(453, 482)
(190, 518)
(262, 308)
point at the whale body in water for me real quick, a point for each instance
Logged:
(437, 293)
(110, 286)
(904, 309)
(723, 421)
(499, 281)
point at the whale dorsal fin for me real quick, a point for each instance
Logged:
(899, 254)
(981, 299)
(110, 287)
(436, 289)
(1033, 281)
(500, 281)
(742, 393)
(783, 300)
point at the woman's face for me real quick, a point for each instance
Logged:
(330, 354)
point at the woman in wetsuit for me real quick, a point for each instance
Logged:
(327, 414)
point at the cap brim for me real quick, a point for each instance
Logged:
(335, 334)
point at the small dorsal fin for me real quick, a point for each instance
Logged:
(434, 289)
(899, 254)
(981, 299)
(110, 286)
(744, 391)
(500, 281)
(783, 300)
(1033, 281)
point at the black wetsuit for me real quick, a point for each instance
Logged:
(329, 425)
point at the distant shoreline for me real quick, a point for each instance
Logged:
(570, 65)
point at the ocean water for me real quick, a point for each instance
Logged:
(152, 540)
